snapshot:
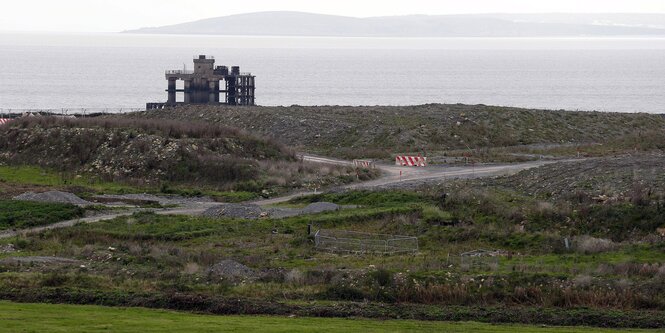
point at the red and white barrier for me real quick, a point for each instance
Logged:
(415, 161)
(5, 120)
(363, 164)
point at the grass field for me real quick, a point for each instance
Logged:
(18, 317)
(32, 175)
(24, 214)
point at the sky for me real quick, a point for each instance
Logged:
(119, 15)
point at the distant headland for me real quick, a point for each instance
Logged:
(284, 23)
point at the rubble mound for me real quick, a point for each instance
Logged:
(52, 196)
(232, 269)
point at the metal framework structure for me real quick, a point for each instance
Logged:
(202, 85)
(361, 243)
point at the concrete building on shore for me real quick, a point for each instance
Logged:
(208, 84)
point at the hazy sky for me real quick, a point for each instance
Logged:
(117, 15)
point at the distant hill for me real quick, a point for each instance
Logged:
(485, 25)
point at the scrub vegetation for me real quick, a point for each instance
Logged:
(602, 278)
(179, 157)
(575, 243)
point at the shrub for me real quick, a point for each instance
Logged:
(588, 244)
(383, 277)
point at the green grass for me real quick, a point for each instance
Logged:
(18, 317)
(32, 175)
(365, 198)
(39, 176)
(24, 214)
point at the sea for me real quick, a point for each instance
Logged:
(120, 72)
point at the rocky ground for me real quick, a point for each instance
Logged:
(603, 178)
(379, 131)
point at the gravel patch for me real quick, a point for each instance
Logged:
(320, 207)
(241, 211)
(38, 260)
(280, 213)
(52, 196)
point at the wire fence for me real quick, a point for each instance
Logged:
(361, 243)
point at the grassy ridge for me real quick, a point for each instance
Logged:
(17, 317)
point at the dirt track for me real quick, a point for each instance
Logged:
(392, 176)
(395, 175)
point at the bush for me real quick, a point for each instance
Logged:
(383, 277)
(588, 245)
(434, 215)
(344, 293)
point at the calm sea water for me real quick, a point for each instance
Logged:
(126, 71)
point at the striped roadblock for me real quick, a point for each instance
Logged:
(4, 120)
(414, 161)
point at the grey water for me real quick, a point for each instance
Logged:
(122, 71)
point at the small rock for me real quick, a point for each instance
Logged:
(9, 248)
